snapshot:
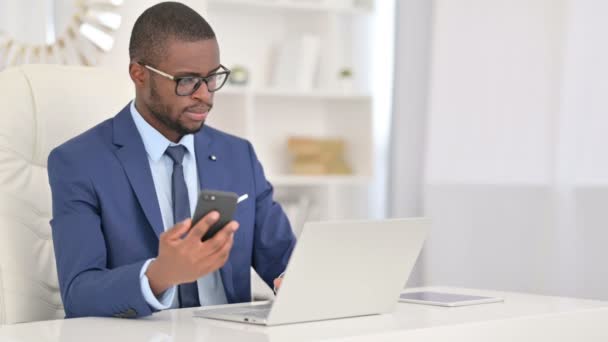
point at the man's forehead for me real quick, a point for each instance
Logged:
(200, 56)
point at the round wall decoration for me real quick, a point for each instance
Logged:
(89, 33)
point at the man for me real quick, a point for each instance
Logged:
(124, 190)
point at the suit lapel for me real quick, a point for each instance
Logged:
(210, 177)
(132, 155)
(204, 165)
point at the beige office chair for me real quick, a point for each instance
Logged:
(41, 106)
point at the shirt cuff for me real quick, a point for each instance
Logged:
(166, 298)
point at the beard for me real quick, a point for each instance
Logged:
(161, 111)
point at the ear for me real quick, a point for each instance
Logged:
(138, 74)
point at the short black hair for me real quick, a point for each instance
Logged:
(162, 22)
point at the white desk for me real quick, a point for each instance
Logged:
(521, 317)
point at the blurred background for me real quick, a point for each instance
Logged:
(488, 116)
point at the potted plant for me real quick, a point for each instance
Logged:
(345, 79)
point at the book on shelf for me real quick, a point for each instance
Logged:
(312, 156)
(297, 63)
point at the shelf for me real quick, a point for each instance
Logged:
(268, 110)
(304, 180)
(310, 5)
(323, 94)
(292, 93)
(232, 90)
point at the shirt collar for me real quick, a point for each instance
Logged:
(155, 143)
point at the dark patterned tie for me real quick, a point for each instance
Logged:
(188, 293)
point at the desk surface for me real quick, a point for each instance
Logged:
(522, 317)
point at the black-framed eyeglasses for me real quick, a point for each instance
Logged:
(187, 85)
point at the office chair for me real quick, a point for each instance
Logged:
(41, 107)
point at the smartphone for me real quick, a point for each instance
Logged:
(445, 299)
(222, 202)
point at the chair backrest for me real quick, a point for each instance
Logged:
(41, 106)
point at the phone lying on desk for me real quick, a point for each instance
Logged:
(221, 201)
(445, 298)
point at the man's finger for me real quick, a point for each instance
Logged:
(277, 283)
(218, 241)
(178, 230)
(201, 227)
(221, 255)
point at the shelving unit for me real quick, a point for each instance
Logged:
(249, 32)
(319, 94)
(338, 6)
(299, 180)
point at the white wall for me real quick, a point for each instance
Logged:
(495, 64)
(408, 126)
(118, 57)
(581, 179)
(408, 122)
(12, 14)
(516, 169)
(493, 90)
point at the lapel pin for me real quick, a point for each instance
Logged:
(213, 157)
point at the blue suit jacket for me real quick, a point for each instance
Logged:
(106, 218)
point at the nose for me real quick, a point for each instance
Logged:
(203, 94)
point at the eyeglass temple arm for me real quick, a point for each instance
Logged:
(160, 72)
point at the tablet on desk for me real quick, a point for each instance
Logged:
(445, 299)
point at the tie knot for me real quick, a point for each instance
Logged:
(176, 153)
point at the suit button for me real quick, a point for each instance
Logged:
(131, 313)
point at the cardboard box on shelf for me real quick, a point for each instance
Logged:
(315, 156)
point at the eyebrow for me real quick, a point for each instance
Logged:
(193, 73)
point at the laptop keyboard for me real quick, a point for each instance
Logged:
(258, 311)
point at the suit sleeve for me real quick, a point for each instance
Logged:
(273, 237)
(88, 287)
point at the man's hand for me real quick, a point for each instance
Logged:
(277, 283)
(184, 260)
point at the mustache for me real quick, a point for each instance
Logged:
(199, 108)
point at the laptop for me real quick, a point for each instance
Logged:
(338, 269)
